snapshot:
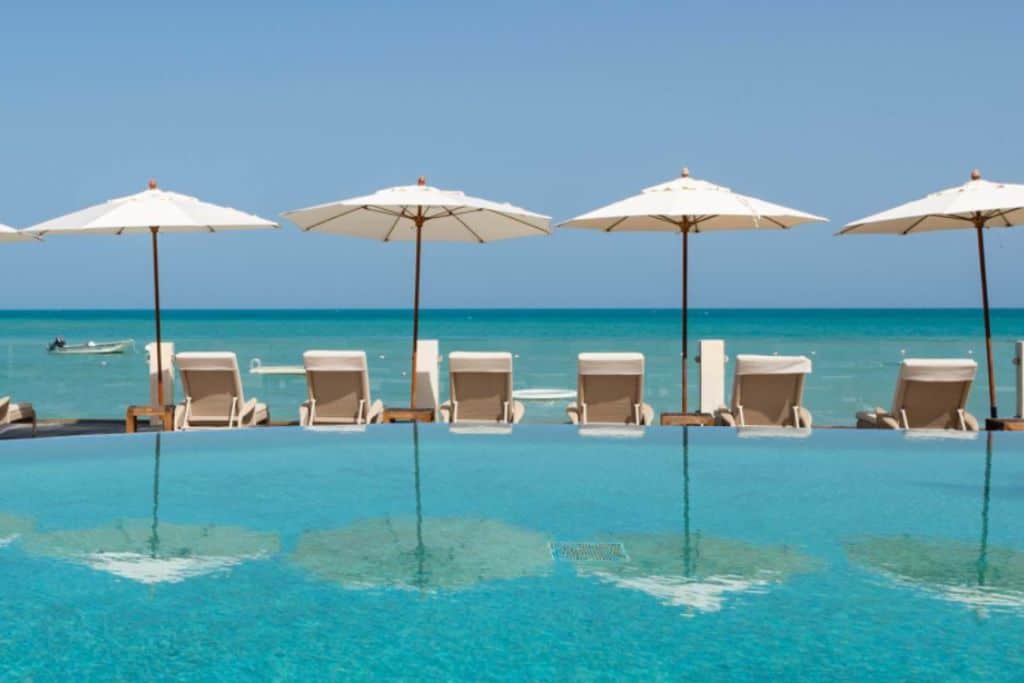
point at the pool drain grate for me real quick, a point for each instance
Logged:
(588, 552)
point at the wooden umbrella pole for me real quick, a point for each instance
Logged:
(979, 225)
(156, 307)
(416, 305)
(686, 258)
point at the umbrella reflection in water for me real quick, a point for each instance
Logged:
(149, 551)
(974, 574)
(691, 570)
(428, 554)
(12, 527)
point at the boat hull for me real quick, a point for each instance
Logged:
(94, 349)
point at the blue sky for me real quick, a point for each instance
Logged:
(840, 109)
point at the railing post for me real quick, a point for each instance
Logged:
(711, 357)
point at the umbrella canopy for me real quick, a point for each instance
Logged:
(698, 205)
(396, 213)
(138, 550)
(151, 211)
(417, 213)
(431, 554)
(975, 205)
(9, 234)
(687, 205)
(11, 528)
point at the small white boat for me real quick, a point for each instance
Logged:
(93, 347)
(256, 367)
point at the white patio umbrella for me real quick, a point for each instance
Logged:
(687, 205)
(420, 212)
(152, 211)
(977, 204)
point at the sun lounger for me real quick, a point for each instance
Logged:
(480, 386)
(13, 413)
(338, 385)
(610, 390)
(213, 393)
(930, 394)
(767, 391)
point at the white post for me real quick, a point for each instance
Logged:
(428, 358)
(1019, 362)
(711, 356)
(167, 351)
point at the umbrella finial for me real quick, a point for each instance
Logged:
(975, 174)
(152, 183)
(685, 173)
(421, 181)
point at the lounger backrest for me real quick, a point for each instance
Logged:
(929, 392)
(766, 389)
(339, 384)
(211, 382)
(610, 387)
(481, 386)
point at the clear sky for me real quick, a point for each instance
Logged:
(840, 109)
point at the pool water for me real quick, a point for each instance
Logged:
(545, 553)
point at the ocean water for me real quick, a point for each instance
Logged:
(396, 553)
(856, 353)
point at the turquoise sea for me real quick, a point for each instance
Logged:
(856, 353)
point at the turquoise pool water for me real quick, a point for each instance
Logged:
(537, 555)
(856, 353)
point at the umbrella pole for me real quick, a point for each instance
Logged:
(156, 307)
(979, 225)
(686, 260)
(416, 305)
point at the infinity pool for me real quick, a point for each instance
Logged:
(536, 555)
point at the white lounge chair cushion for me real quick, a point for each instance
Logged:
(335, 361)
(206, 360)
(479, 361)
(610, 363)
(750, 364)
(938, 370)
